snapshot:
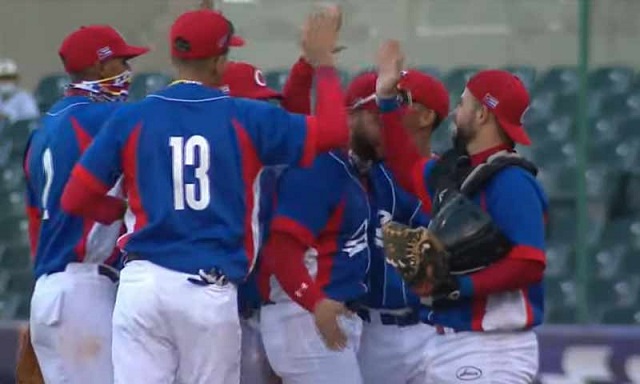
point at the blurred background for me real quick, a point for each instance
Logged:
(579, 59)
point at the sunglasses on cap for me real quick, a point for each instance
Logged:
(404, 97)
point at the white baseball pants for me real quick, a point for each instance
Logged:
(254, 367)
(482, 358)
(297, 353)
(168, 330)
(393, 354)
(70, 325)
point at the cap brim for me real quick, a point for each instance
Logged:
(236, 41)
(516, 133)
(266, 93)
(132, 51)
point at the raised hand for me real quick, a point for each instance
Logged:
(390, 62)
(320, 35)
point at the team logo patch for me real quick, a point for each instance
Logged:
(490, 101)
(259, 78)
(468, 373)
(104, 53)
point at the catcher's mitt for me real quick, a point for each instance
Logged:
(418, 255)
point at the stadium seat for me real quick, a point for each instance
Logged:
(623, 104)
(621, 316)
(629, 203)
(567, 104)
(16, 258)
(527, 74)
(276, 78)
(456, 79)
(630, 128)
(611, 80)
(49, 89)
(560, 301)
(541, 108)
(623, 231)
(9, 306)
(146, 83)
(21, 281)
(560, 79)
(24, 307)
(549, 153)
(560, 260)
(561, 224)
(6, 147)
(12, 205)
(609, 261)
(18, 134)
(557, 129)
(5, 277)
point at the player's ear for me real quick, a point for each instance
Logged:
(427, 118)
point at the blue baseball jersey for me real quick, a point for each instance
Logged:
(387, 290)
(248, 292)
(65, 132)
(191, 158)
(327, 207)
(517, 203)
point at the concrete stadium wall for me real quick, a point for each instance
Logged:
(443, 33)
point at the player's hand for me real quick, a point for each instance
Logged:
(390, 62)
(320, 35)
(326, 314)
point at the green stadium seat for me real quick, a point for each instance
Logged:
(623, 104)
(560, 300)
(276, 79)
(609, 261)
(12, 205)
(559, 129)
(567, 104)
(456, 79)
(5, 277)
(9, 306)
(145, 83)
(6, 147)
(560, 79)
(621, 316)
(611, 80)
(18, 134)
(21, 281)
(623, 231)
(549, 153)
(16, 258)
(49, 89)
(560, 260)
(630, 128)
(541, 108)
(526, 73)
(561, 224)
(23, 311)
(630, 199)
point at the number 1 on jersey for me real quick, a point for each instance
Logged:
(47, 166)
(184, 154)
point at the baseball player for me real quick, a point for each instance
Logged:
(393, 342)
(243, 79)
(190, 156)
(75, 289)
(485, 317)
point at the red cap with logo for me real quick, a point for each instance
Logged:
(245, 80)
(361, 93)
(92, 44)
(427, 91)
(202, 34)
(506, 97)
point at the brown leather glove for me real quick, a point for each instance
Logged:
(28, 369)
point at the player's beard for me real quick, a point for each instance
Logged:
(462, 136)
(362, 146)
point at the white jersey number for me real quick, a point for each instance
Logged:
(47, 166)
(184, 154)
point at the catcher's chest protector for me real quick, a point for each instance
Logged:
(480, 175)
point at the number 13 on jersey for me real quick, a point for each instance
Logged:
(183, 154)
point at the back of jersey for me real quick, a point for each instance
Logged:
(65, 132)
(184, 177)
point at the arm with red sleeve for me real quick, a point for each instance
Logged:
(517, 204)
(282, 138)
(97, 171)
(306, 199)
(296, 94)
(401, 154)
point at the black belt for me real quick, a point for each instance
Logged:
(411, 318)
(111, 273)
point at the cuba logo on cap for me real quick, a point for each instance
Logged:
(259, 78)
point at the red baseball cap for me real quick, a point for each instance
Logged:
(201, 34)
(361, 93)
(427, 91)
(95, 43)
(507, 98)
(245, 80)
